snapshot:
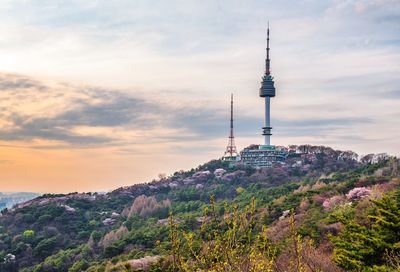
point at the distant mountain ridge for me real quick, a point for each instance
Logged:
(9, 199)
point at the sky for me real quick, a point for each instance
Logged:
(95, 95)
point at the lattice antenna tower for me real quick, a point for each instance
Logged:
(231, 147)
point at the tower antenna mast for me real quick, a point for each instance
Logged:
(230, 152)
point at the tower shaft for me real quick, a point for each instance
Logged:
(267, 122)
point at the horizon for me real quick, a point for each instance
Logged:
(96, 96)
(128, 185)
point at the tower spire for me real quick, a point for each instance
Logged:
(267, 60)
(230, 152)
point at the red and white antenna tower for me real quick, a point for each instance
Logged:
(230, 152)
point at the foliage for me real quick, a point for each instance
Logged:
(234, 244)
(63, 260)
(28, 233)
(147, 206)
(45, 246)
(361, 248)
(114, 236)
(28, 236)
(358, 193)
(79, 266)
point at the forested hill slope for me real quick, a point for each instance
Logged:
(338, 203)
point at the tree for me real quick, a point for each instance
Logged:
(45, 247)
(359, 248)
(80, 265)
(28, 235)
(234, 244)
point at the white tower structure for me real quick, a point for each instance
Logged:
(267, 91)
(265, 155)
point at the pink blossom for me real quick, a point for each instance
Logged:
(326, 204)
(332, 202)
(358, 193)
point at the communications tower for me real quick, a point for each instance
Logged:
(267, 91)
(231, 152)
(265, 155)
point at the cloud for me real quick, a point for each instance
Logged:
(330, 128)
(389, 95)
(82, 116)
(323, 122)
(72, 115)
(52, 112)
(14, 82)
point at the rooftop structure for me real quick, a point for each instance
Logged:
(265, 155)
(231, 152)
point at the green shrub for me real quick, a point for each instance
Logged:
(79, 266)
(359, 248)
(45, 247)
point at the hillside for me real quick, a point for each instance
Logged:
(338, 202)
